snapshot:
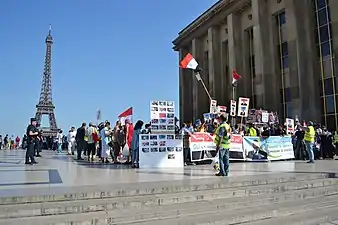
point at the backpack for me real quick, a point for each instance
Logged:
(95, 137)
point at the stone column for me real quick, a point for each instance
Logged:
(305, 58)
(196, 52)
(214, 56)
(264, 49)
(234, 43)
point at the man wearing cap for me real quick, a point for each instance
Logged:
(309, 139)
(32, 133)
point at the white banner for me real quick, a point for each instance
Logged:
(160, 151)
(162, 116)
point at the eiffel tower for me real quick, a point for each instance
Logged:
(45, 105)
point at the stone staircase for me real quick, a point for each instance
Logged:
(259, 200)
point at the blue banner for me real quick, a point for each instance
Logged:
(271, 148)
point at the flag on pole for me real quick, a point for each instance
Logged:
(126, 115)
(189, 62)
(235, 77)
(98, 115)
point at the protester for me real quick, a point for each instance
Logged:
(135, 144)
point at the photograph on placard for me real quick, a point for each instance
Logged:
(162, 103)
(170, 115)
(162, 127)
(162, 149)
(145, 144)
(178, 137)
(145, 150)
(154, 109)
(170, 136)
(170, 109)
(154, 103)
(179, 149)
(144, 137)
(162, 143)
(153, 143)
(170, 149)
(171, 156)
(154, 127)
(170, 121)
(163, 121)
(243, 107)
(162, 109)
(162, 137)
(153, 149)
(170, 103)
(153, 137)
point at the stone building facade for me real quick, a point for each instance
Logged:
(283, 49)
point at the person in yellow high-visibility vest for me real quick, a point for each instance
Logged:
(252, 131)
(309, 139)
(222, 141)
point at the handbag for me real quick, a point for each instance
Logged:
(125, 150)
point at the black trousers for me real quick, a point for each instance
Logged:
(91, 149)
(81, 146)
(186, 155)
(30, 153)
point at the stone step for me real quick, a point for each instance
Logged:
(185, 214)
(322, 216)
(253, 215)
(124, 190)
(269, 192)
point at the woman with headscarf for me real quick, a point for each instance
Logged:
(106, 138)
(135, 143)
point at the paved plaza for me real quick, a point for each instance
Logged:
(63, 172)
(62, 191)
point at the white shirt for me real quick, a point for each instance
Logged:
(71, 136)
(59, 138)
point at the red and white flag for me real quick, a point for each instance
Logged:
(235, 77)
(189, 62)
(126, 115)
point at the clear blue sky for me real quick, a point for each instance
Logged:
(101, 49)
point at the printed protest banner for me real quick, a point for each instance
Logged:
(213, 107)
(271, 148)
(202, 147)
(233, 108)
(221, 109)
(290, 125)
(243, 107)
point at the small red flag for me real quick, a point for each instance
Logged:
(189, 62)
(235, 77)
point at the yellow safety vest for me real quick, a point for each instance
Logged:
(252, 132)
(335, 137)
(225, 143)
(310, 135)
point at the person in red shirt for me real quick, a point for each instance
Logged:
(17, 142)
(129, 132)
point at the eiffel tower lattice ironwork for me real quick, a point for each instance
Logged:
(45, 105)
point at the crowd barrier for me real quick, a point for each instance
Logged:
(245, 148)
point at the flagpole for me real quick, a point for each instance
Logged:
(233, 120)
(199, 78)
